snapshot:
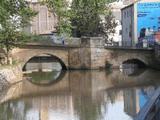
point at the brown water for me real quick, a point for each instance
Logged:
(79, 95)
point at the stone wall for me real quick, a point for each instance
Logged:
(10, 75)
(90, 55)
(98, 53)
(79, 58)
(156, 58)
(72, 41)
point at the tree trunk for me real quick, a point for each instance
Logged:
(7, 52)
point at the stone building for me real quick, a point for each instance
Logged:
(44, 22)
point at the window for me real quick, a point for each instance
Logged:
(130, 34)
(124, 14)
(127, 14)
(120, 32)
(126, 30)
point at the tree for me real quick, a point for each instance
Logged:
(107, 26)
(84, 17)
(14, 15)
(93, 18)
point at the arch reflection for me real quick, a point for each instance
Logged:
(45, 78)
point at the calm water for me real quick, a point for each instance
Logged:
(79, 95)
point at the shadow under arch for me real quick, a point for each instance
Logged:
(138, 62)
(133, 67)
(64, 67)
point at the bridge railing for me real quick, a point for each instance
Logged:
(129, 44)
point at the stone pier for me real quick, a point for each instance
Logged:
(90, 55)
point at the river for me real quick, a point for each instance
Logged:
(79, 95)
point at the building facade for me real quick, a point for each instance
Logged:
(127, 25)
(44, 22)
(141, 23)
(116, 11)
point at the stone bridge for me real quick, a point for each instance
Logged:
(89, 54)
(25, 53)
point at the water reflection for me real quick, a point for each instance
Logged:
(45, 78)
(81, 95)
(132, 70)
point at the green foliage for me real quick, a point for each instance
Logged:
(39, 38)
(9, 38)
(82, 17)
(107, 26)
(14, 15)
(91, 18)
(87, 19)
(15, 12)
(36, 38)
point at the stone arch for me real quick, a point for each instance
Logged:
(115, 58)
(64, 66)
(140, 62)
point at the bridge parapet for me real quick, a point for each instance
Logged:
(93, 42)
(52, 42)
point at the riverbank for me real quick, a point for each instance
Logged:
(9, 75)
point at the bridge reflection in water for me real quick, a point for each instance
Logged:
(81, 95)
